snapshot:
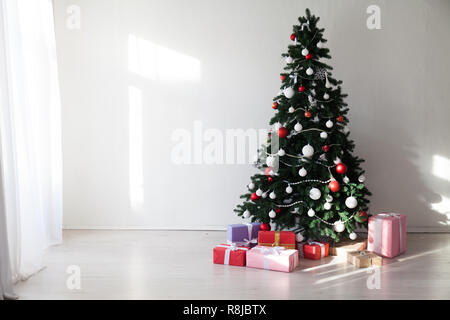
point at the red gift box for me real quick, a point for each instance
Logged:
(277, 239)
(314, 250)
(230, 254)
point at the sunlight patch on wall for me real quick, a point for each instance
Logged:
(135, 145)
(441, 167)
(443, 207)
(158, 63)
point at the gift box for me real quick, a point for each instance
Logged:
(364, 259)
(341, 248)
(243, 234)
(313, 250)
(272, 258)
(230, 254)
(387, 234)
(277, 239)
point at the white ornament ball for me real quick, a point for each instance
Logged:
(246, 214)
(361, 178)
(311, 212)
(259, 192)
(346, 179)
(272, 195)
(289, 60)
(315, 194)
(276, 126)
(319, 45)
(352, 236)
(329, 198)
(302, 172)
(326, 96)
(305, 52)
(323, 135)
(308, 151)
(309, 71)
(251, 185)
(351, 202)
(272, 214)
(289, 189)
(264, 195)
(270, 161)
(298, 127)
(281, 152)
(339, 226)
(291, 110)
(327, 206)
(299, 237)
(289, 92)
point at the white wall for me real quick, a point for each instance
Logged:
(229, 56)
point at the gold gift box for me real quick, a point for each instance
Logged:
(364, 259)
(341, 248)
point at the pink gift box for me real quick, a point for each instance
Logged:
(387, 234)
(272, 258)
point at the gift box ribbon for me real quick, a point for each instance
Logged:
(378, 220)
(322, 247)
(266, 251)
(230, 247)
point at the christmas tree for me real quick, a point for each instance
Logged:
(309, 181)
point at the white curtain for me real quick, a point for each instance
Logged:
(30, 134)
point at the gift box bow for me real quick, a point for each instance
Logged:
(271, 250)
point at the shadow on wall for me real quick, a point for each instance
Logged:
(397, 184)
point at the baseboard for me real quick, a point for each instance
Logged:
(216, 228)
(187, 228)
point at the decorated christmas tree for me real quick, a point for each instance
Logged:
(309, 180)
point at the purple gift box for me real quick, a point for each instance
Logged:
(243, 234)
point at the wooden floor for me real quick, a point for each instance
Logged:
(178, 265)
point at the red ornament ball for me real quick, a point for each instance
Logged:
(308, 56)
(277, 210)
(282, 132)
(301, 88)
(264, 227)
(363, 214)
(275, 105)
(267, 171)
(308, 114)
(254, 196)
(340, 119)
(326, 148)
(282, 78)
(341, 168)
(334, 186)
(270, 179)
(293, 36)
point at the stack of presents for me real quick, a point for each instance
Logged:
(248, 246)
